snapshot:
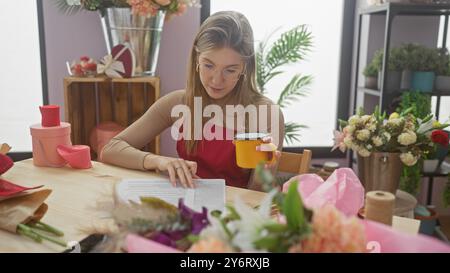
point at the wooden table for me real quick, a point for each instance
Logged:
(75, 203)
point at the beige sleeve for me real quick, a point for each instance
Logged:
(124, 149)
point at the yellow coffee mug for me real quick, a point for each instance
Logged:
(247, 155)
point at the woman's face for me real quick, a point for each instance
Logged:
(220, 70)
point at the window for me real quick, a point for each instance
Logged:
(318, 110)
(21, 89)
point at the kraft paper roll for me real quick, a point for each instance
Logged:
(380, 206)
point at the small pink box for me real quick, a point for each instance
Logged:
(45, 140)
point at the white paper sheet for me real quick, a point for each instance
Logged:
(209, 193)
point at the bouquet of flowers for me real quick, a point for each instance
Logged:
(400, 133)
(146, 8)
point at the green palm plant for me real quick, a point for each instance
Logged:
(290, 48)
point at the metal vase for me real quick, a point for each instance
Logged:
(142, 33)
(380, 171)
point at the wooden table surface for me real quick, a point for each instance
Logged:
(75, 205)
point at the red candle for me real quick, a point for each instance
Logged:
(50, 115)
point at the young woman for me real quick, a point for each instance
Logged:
(221, 72)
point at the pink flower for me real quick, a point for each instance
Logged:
(210, 245)
(339, 140)
(163, 2)
(333, 232)
(181, 9)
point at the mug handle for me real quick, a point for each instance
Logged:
(268, 147)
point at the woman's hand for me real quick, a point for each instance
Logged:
(268, 146)
(179, 168)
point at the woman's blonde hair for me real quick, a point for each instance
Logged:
(222, 29)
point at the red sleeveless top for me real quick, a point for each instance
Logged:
(216, 159)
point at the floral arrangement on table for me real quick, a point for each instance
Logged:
(312, 216)
(402, 133)
(280, 224)
(146, 8)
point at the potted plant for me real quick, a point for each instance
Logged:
(384, 144)
(396, 64)
(290, 48)
(442, 82)
(423, 63)
(371, 75)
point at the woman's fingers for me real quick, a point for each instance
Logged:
(277, 158)
(172, 175)
(192, 165)
(267, 139)
(187, 174)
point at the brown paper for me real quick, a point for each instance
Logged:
(23, 209)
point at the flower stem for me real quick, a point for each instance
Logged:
(48, 228)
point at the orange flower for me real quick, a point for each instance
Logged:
(210, 245)
(332, 231)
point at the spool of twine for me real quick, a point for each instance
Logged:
(380, 206)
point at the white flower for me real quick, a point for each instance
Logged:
(377, 141)
(387, 136)
(407, 138)
(369, 147)
(363, 152)
(425, 127)
(348, 141)
(372, 127)
(408, 159)
(350, 129)
(250, 227)
(363, 134)
(353, 120)
(365, 118)
(395, 121)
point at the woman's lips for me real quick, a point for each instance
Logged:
(216, 89)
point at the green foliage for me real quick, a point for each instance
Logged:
(410, 179)
(419, 102)
(370, 70)
(443, 64)
(71, 7)
(290, 48)
(397, 59)
(421, 58)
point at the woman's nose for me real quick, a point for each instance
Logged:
(217, 77)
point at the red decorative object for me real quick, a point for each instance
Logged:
(8, 189)
(440, 137)
(5, 163)
(85, 67)
(126, 56)
(50, 115)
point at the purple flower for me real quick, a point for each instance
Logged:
(198, 220)
(164, 239)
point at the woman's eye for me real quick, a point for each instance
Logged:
(208, 66)
(230, 71)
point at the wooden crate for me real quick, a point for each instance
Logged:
(90, 101)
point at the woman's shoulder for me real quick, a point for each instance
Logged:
(174, 97)
(263, 100)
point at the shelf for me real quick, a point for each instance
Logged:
(407, 9)
(372, 92)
